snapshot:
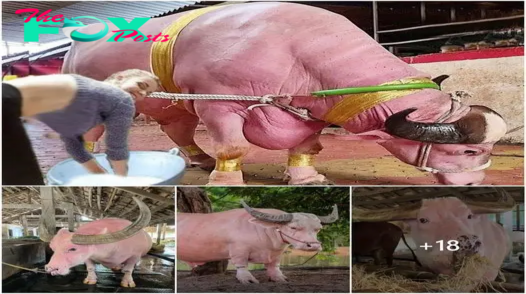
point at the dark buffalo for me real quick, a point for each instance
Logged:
(377, 239)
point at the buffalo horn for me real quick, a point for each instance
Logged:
(329, 219)
(273, 218)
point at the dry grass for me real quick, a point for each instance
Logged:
(466, 280)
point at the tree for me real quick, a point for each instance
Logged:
(195, 200)
(316, 200)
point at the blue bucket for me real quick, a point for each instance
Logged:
(169, 167)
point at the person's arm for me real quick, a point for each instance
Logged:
(75, 148)
(118, 125)
(41, 94)
(19, 162)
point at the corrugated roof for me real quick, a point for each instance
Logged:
(13, 28)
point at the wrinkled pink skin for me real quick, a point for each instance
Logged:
(237, 236)
(277, 48)
(448, 219)
(123, 255)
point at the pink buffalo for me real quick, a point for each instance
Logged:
(462, 224)
(247, 235)
(293, 49)
(115, 243)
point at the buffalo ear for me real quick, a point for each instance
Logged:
(438, 80)
(63, 231)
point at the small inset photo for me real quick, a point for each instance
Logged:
(88, 239)
(263, 239)
(438, 240)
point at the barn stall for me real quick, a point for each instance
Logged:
(479, 44)
(378, 205)
(31, 216)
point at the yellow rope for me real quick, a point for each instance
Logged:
(161, 55)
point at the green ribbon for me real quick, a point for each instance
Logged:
(358, 90)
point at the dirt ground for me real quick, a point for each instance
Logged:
(343, 162)
(301, 281)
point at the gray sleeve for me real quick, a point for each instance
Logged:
(118, 124)
(75, 148)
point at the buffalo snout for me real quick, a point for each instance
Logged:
(469, 243)
(54, 271)
(309, 247)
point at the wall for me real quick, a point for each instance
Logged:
(494, 78)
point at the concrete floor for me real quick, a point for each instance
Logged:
(344, 162)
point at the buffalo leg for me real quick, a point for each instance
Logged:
(92, 276)
(226, 130)
(127, 269)
(182, 130)
(274, 273)
(377, 255)
(300, 168)
(240, 261)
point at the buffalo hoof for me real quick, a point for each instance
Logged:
(207, 163)
(246, 278)
(320, 183)
(89, 281)
(221, 178)
(128, 284)
(323, 182)
(279, 279)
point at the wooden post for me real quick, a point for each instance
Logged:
(164, 231)
(71, 218)
(47, 223)
(159, 226)
(24, 225)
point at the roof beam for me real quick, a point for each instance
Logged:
(31, 206)
(147, 194)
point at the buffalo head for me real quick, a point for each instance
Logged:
(297, 229)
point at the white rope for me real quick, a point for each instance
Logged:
(174, 96)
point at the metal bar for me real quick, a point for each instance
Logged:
(56, 216)
(375, 21)
(12, 217)
(452, 24)
(161, 256)
(436, 38)
(29, 206)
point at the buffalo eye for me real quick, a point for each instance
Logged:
(294, 228)
(470, 152)
(72, 249)
(470, 216)
(423, 220)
